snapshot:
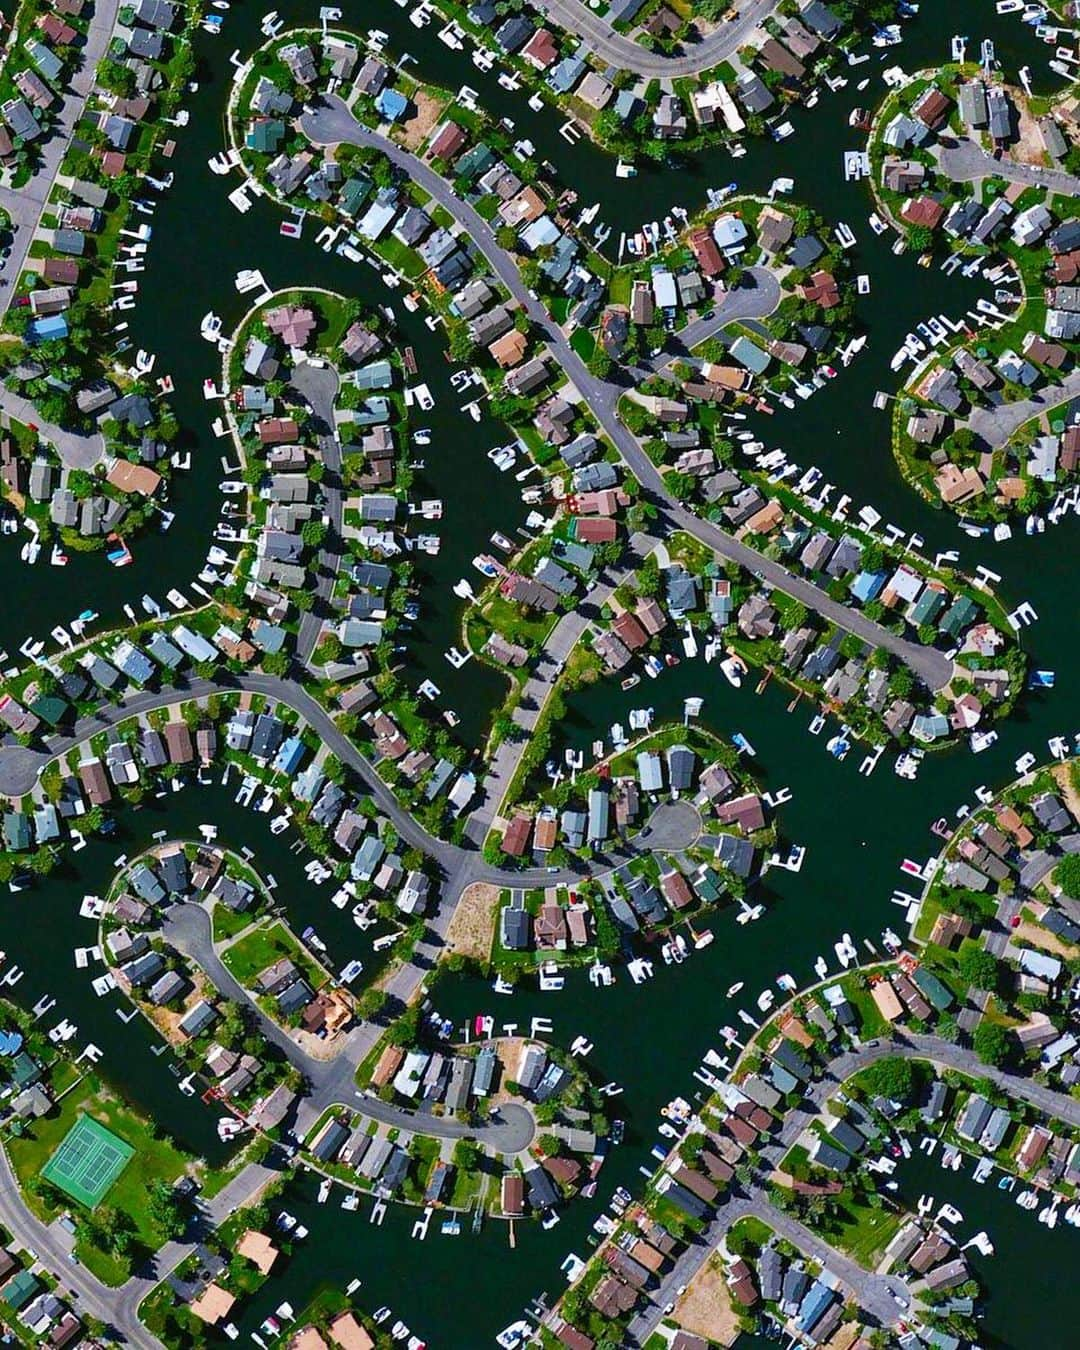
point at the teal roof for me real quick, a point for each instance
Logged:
(928, 606)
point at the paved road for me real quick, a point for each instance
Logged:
(997, 426)
(52, 1248)
(543, 677)
(331, 123)
(873, 1292)
(117, 1307)
(25, 205)
(597, 35)
(964, 162)
(756, 298)
(332, 1081)
(78, 450)
(319, 385)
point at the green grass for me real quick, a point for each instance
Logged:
(865, 1232)
(251, 954)
(154, 1159)
(227, 923)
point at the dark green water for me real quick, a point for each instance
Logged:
(857, 830)
(1032, 1297)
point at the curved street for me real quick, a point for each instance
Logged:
(187, 927)
(598, 36)
(962, 161)
(77, 449)
(872, 1291)
(331, 123)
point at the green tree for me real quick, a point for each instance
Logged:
(276, 663)
(1067, 875)
(992, 1043)
(892, 1077)
(467, 1155)
(313, 533)
(978, 967)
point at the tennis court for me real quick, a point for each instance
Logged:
(88, 1161)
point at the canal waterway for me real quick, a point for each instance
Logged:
(1031, 1294)
(857, 831)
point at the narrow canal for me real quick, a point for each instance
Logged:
(857, 831)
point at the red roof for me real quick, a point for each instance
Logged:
(630, 631)
(922, 211)
(516, 836)
(706, 252)
(599, 530)
(450, 139)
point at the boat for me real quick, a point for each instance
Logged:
(734, 989)
(845, 949)
(515, 1335)
(117, 551)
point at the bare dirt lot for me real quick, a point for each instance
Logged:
(705, 1308)
(418, 127)
(472, 929)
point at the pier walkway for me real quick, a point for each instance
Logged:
(332, 123)
(873, 1292)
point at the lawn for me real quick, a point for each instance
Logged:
(864, 1232)
(227, 923)
(251, 954)
(154, 1159)
(871, 1022)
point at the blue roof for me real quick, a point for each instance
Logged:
(813, 1305)
(49, 326)
(287, 760)
(391, 104)
(867, 586)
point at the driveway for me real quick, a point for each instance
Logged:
(997, 426)
(24, 205)
(622, 52)
(78, 449)
(965, 162)
(331, 123)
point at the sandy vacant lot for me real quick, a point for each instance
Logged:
(417, 128)
(472, 929)
(705, 1308)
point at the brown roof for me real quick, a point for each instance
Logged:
(389, 1062)
(706, 252)
(258, 1248)
(130, 477)
(213, 1304)
(347, 1332)
(516, 836)
(513, 1193)
(61, 271)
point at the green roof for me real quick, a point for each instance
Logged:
(932, 987)
(49, 709)
(353, 195)
(928, 606)
(20, 1289)
(25, 1069)
(962, 611)
(265, 136)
